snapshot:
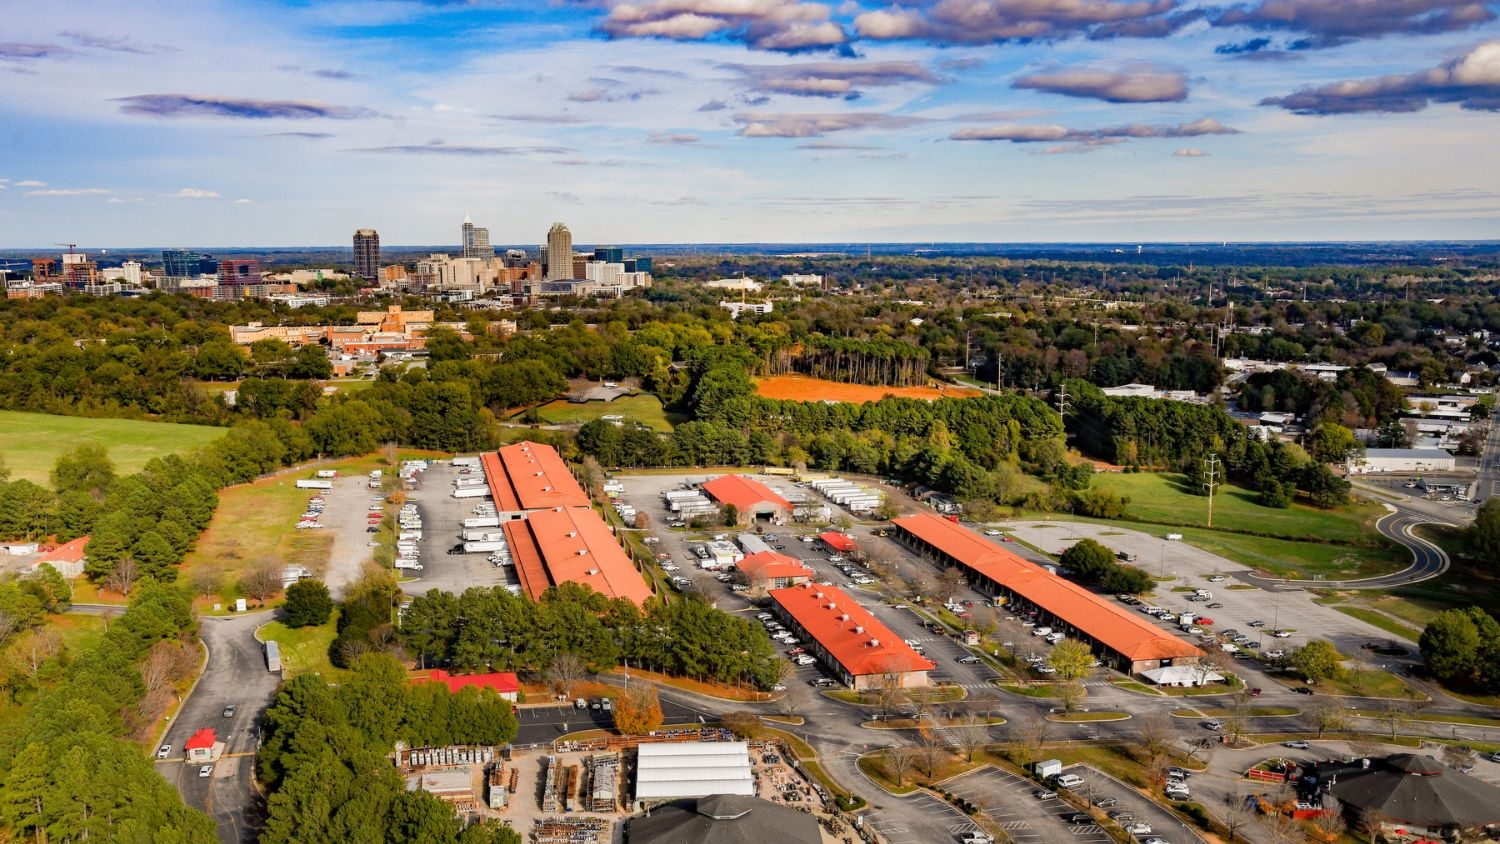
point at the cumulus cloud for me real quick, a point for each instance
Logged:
(1017, 133)
(196, 193)
(669, 139)
(997, 21)
(762, 24)
(831, 79)
(19, 52)
(758, 125)
(1472, 81)
(30, 183)
(68, 192)
(1189, 152)
(440, 148)
(188, 105)
(1134, 85)
(1329, 23)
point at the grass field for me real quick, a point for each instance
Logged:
(31, 442)
(642, 407)
(1162, 498)
(802, 388)
(305, 649)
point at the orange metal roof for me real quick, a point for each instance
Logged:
(70, 552)
(853, 637)
(501, 681)
(531, 476)
(1103, 620)
(744, 493)
(771, 565)
(572, 544)
(838, 541)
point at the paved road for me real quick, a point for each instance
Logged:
(1428, 560)
(1488, 482)
(236, 673)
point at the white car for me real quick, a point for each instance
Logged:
(206, 771)
(1138, 829)
(164, 751)
(804, 659)
(1283, 634)
(992, 532)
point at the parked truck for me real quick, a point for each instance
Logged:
(273, 656)
(328, 473)
(313, 484)
(471, 492)
(482, 522)
(482, 546)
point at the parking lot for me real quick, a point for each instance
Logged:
(442, 521)
(1009, 801)
(926, 820)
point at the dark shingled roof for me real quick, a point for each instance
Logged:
(1419, 790)
(723, 819)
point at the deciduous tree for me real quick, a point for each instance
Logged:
(638, 711)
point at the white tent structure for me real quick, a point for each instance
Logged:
(1183, 675)
(673, 770)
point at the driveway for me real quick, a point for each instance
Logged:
(236, 673)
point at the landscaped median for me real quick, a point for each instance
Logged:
(1085, 717)
(1248, 712)
(935, 695)
(916, 723)
(1039, 690)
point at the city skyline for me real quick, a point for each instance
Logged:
(760, 121)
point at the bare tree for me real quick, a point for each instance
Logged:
(985, 619)
(1372, 823)
(123, 577)
(1458, 755)
(207, 582)
(1234, 807)
(9, 624)
(1327, 716)
(1234, 717)
(1331, 822)
(1395, 714)
(899, 760)
(1155, 734)
(889, 692)
(932, 748)
(1364, 747)
(950, 583)
(262, 581)
(564, 672)
(1281, 828)
(1031, 735)
(970, 733)
(33, 648)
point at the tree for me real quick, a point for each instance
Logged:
(1457, 755)
(1090, 559)
(899, 760)
(123, 577)
(1332, 443)
(1327, 716)
(969, 733)
(85, 468)
(1031, 736)
(731, 515)
(262, 581)
(564, 671)
(638, 711)
(1072, 659)
(950, 583)
(1317, 660)
(1485, 533)
(1155, 735)
(207, 582)
(308, 604)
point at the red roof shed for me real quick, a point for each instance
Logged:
(838, 541)
(202, 740)
(503, 683)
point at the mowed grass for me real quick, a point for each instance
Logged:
(31, 442)
(642, 407)
(1163, 498)
(304, 650)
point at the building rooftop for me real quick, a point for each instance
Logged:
(838, 541)
(202, 740)
(503, 682)
(68, 552)
(671, 770)
(744, 493)
(769, 565)
(1408, 453)
(848, 632)
(724, 819)
(1112, 625)
(531, 476)
(572, 544)
(1415, 789)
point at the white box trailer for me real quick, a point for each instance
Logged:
(472, 492)
(482, 535)
(482, 522)
(328, 473)
(408, 564)
(466, 462)
(311, 484)
(468, 482)
(410, 534)
(482, 546)
(273, 656)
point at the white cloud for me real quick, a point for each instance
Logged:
(244, 202)
(1189, 152)
(31, 183)
(68, 192)
(196, 193)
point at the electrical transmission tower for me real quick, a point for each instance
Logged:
(1212, 476)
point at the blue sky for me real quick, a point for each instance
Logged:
(645, 121)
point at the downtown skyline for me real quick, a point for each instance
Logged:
(294, 123)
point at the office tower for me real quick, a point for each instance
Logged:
(239, 271)
(367, 254)
(186, 263)
(609, 254)
(476, 240)
(559, 253)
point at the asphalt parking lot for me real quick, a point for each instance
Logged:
(926, 820)
(1008, 800)
(442, 521)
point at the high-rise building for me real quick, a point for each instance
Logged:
(186, 263)
(367, 254)
(476, 240)
(609, 254)
(239, 272)
(559, 253)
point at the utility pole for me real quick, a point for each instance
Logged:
(1211, 483)
(1062, 401)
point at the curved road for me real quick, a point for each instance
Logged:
(1428, 560)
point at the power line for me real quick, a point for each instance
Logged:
(1212, 474)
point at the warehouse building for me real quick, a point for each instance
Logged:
(754, 500)
(1118, 637)
(572, 544)
(767, 570)
(674, 770)
(530, 476)
(1376, 460)
(852, 643)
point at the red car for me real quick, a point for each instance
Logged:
(1203, 622)
(1255, 692)
(796, 652)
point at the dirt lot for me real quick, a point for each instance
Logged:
(802, 388)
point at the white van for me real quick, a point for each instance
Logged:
(1070, 780)
(1041, 631)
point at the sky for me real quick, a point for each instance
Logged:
(294, 122)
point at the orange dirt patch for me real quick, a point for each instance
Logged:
(802, 388)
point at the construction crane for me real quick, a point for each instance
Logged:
(71, 246)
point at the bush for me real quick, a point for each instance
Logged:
(308, 604)
(849, 803)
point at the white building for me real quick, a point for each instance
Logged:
(1376, 460)
(674, 770)
(737, 308)
(803, 280)
(746, 285)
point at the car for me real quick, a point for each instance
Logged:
(206, 771)
(1122, 816)
(1179, 793)
(820, 682)
(1216, 606)
(796, 651)
(1255, 692)
(969, 660)
(1282, 634)
(1229, 632)
(1044, 794)
(992, 532)
(229, 710)
(1302, 690)
(1296, 744)
(1179, 773)
(1204, 621)
(1218, 578)
(1276, 654)
(1256, 623)
(1104, 802)
(164, 751)
(779, 687)
(975, 838)
(803, 659)
(1138, 828)
(373, 529)
(1078, 817)
(1154, 840)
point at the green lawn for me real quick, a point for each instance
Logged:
(305, 649)
(31, 442)
(642, 407)
(1162, 498)
(1389, 625)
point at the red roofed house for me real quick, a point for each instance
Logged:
(851, 642)
(1117, 635)
(840, 543)
(204, 746)
(67, 558)
(753, 499)
(770, 570)
(503, 683)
